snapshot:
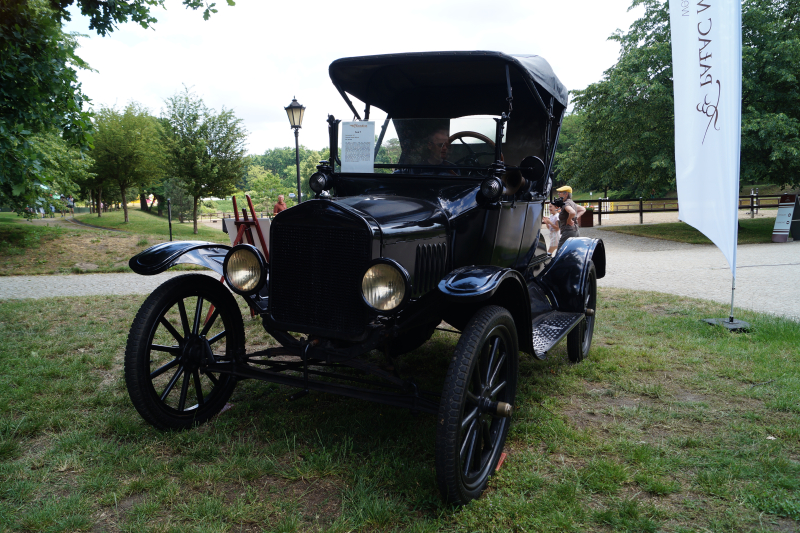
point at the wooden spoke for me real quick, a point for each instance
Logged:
(155, 373)
(198, 388)
(210, 322)
(198, 312)
(184, 391)
(174, 332)
(184, 319)
(171, 383)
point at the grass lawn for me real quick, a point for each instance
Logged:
(142, 223)
(28, 248)
(669, 425)
(752, 231)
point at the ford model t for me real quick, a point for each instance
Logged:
(442, 226)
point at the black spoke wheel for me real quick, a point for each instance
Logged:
(186, 324)
(579, 340)
(470, 431)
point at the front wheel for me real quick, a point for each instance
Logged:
(175, 336)
(474, 414)
(579, 340)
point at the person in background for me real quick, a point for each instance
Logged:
(552, 224)
(71, 205)
(570, 213)
(280, 206)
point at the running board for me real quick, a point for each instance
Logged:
(550, 328)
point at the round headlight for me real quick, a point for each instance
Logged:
(492, 188)
(319, 182)
(244, 269)
(383, 287)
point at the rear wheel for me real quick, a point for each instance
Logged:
(579, 340)
(474, 414)
(172, 340)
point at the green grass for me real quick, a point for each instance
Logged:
(669, 425)
(758, 230)
(142, 223)
(30, 248)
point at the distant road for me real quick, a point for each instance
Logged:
(767, 274)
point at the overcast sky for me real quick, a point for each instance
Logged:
(254, 57)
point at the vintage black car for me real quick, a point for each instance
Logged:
(447, 231)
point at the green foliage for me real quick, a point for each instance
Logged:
(627, 138)
(39, 91)
(104, 15)
(205, 149)
(265, 187)
(40, 97)
(281, 162)
(127, 149)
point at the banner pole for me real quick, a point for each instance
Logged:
(733, 288)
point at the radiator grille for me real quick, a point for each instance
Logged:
(315, 278)
(430, 267)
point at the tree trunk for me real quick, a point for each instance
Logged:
(124, 204)
(194, 215)
(98, 200)
(162, 201)
(143, 202)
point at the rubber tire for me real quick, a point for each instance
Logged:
(138, 353)
(488, 322)
(579, 340)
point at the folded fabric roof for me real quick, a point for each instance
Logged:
(447, 84)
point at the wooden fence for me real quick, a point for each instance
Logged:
(605, 206)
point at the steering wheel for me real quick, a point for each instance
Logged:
(472, 159)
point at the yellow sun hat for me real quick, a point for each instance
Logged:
(565, 188)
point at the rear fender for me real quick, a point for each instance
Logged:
(160, 257)
(564, 279)
(472, 287)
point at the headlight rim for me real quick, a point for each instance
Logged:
(264, 266)
(406, 282)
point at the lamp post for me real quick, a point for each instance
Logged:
(295, 113)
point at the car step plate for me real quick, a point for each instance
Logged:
(550, 328)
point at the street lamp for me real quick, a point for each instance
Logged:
(295, 113)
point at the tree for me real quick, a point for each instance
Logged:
(40, 95)
(264, 188)
(127, 149)
(39, 91)
(205, 149)
(627, 140)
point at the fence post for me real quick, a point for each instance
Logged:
(758, 202)
(600, 212)
(641, 211)
(752, 204)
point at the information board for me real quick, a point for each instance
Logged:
(358, 147)
(787, 222)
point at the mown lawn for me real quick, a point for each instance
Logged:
(669, 425)
(50, 247)
(751, 231)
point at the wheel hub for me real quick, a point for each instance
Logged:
(194, 349)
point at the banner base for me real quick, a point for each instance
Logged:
(731, 324)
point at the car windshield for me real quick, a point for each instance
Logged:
(433, 145)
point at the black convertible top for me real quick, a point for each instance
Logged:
(448, 84)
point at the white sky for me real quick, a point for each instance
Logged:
(251, 58)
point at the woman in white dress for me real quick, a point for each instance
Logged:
(555, 234)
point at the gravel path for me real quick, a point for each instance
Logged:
(767, 274)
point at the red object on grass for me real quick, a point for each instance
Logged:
(500, 462)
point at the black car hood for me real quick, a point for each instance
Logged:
(400, 217)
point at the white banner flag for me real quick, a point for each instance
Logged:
(707, 76)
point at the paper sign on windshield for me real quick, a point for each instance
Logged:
(358, 147)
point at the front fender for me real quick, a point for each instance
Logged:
(160, 257)
(472, 287)
(564, 278)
